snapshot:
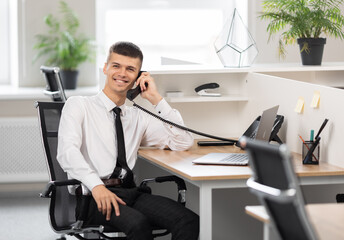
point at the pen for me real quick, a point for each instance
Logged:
(321, 128)
(307, 147)
(312, 136)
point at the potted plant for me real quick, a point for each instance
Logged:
(306, 21)
(63, 46)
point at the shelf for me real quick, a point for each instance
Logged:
(259, 68)
(27, 93)
(232, 98)
(297, 67)
(194, 69)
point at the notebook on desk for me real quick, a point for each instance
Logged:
(262, 132)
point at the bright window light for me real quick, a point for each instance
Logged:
(186, 35)
(169, 29)
(163, 27)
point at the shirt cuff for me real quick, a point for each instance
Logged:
(163, 108)
(91, 181)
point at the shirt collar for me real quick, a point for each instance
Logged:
(108, 104)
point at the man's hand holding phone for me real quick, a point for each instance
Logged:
(148, 88)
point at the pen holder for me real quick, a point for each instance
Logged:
(311, 152)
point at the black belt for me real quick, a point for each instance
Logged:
(112, 182)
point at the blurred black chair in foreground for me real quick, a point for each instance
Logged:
(275, 184)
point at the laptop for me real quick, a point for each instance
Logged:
(262, 132)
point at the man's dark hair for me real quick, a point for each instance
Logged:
(127, 49)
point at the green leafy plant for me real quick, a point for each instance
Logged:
(302, 19)
(62, 45)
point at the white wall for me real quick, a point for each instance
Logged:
(267, 91)
(333, 52)
(31, 15)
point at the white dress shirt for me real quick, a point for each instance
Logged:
(87, 144)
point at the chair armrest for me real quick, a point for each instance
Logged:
(53, 184)
(172, 178)
(265, 191)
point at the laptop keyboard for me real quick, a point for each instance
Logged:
(236, 159)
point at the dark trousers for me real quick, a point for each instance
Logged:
(143, 211)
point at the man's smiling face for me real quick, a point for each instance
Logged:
(121, 72)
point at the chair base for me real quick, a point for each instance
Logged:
(97, 236)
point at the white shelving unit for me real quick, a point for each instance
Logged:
(186, 78)
(328, 74)
(232, 81)
(190, 99)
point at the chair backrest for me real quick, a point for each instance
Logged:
(62, 204)
(54, 86)
(277, 187)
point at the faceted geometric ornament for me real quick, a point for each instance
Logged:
(235, 46)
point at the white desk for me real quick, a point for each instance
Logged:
(208, 178)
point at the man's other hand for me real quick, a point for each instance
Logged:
(105, 199)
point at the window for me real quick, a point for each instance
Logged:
(4, 42)
(176, 29)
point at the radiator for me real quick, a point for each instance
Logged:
(21, 151)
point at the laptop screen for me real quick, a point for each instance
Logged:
(262, 125)
(266, 123)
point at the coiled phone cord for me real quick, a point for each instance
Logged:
(182, 127)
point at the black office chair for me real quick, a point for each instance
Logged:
(276, 186)
(62, 203)
(54, 85)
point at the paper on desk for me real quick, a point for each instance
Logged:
(315, 100)
(299, 105)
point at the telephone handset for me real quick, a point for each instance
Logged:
(133, 93)
(276, 127)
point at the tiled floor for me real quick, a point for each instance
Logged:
(25, 218)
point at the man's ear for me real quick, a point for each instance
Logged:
(105, 68)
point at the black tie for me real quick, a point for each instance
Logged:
(121, 157)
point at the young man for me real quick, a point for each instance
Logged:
(90, 148)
